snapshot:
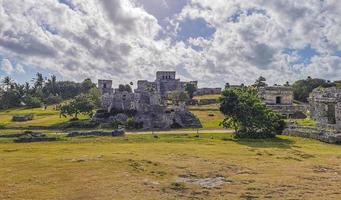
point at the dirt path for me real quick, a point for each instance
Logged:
(183, 131)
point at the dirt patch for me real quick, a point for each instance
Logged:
(204, 182)
(87, 158)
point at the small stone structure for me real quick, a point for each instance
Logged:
(147, 104)
(22, 118)
(325, 107)
(277, 95)
(280, 99)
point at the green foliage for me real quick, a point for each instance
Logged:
(95, 96)
(190, 89)
(176, 97)
(52, 99)
(47, 90)
(260, 82)
(123, 88)
(302, 88)
(32, 102)
(81, 104)
(306, 122)
(247, 114)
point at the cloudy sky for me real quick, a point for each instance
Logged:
(214, 42)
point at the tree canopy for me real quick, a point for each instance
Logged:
(247, 114)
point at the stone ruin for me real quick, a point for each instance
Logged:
(147, 104)
(325, 107)
(207, 91)
(280, 99)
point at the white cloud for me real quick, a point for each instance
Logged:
(6, 66)
(118, 39)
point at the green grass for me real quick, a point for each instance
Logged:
(306, 122)
(209, 115)
(42, 117)
(145, 167)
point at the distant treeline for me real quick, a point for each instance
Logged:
(42, 91)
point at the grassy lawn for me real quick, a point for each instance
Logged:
(209, 115)
(306, 122)
(181, 166)
(42, 117)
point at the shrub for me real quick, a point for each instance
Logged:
(32, 102)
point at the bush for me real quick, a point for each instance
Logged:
(53, 100)
(32, 102)
(248, 115)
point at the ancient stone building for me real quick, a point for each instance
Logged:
(164, 83)
(280, 99)
(325, 107)
(147, 104)
(277, 95)
(105, 86)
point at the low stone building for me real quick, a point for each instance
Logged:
(277, 95)
(280, 99)
(325, 107)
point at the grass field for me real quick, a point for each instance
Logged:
(183, 166)
(42, 117)
(209, 115)
(211, 96)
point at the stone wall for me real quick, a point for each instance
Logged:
(207, 91)
(325, 107)
(324, 135)
(279, 95)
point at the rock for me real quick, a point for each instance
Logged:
(34, 137)
(115, 133)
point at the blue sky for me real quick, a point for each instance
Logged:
(213, 42)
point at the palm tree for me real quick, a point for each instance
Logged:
(7, 82)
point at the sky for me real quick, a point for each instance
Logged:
(214, 42)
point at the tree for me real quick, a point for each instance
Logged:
(260, 82)
(176, 97)
(302, 88)
(246, 113)
(81, 104)
(123, 88)
(86, 85)
(190, 89)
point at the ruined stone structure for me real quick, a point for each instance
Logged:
(165, 82)
(277, 95)
(105, 86)
(207, 91)
(280, 99)
(325, 107)
(147, 104)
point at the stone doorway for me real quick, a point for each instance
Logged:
(278, 100)
(331, 114)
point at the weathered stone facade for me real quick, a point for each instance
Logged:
(165, 82)
(280, 99)
(277, 95)
(147, 104)
(105, 86)
(325, 107)
(207, 91)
